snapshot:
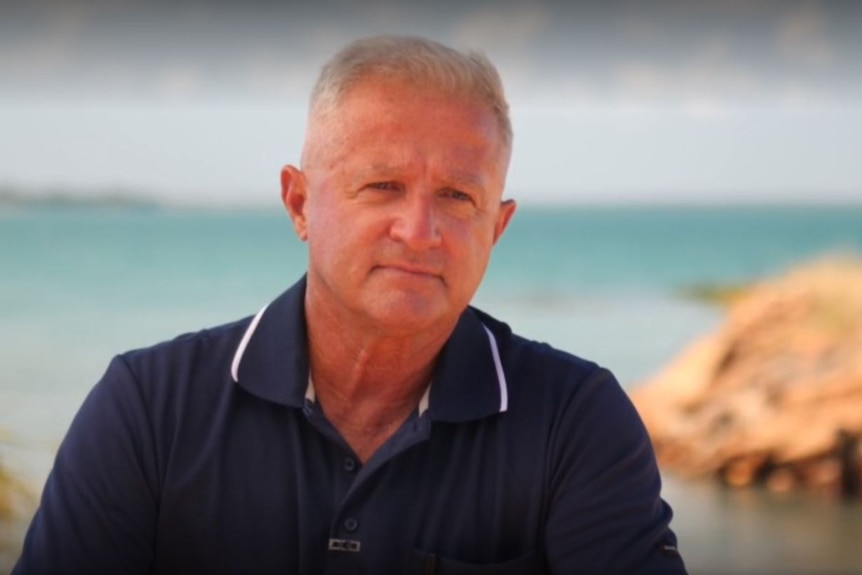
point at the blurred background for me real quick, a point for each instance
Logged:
(665, 152)
(674, 100)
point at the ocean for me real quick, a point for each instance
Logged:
(80, 284)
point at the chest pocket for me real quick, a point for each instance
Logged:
(431, 564)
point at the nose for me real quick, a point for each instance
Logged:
(416, 223)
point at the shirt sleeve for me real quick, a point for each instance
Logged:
(99, 505)
(606, 514)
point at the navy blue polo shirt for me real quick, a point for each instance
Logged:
(208, 454)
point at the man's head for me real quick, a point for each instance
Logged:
(399, 195)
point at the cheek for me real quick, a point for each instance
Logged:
(326, 232)
(329, 244)
(471, 248)
(339, 239)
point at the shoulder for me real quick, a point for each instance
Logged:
(539, 365)
(560, 389)
(208, 350)
(162, 382)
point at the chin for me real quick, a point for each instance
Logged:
(409, 314)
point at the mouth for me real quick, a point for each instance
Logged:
(410, 270)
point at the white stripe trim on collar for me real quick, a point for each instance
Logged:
(310, 395)
(423, 403)
(501, 377)
(240, 350)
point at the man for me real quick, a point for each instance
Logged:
(367, 420)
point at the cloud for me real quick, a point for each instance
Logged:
(180, 80)
(803, 35)
(505, 28)
(42, 37)
(648, 53)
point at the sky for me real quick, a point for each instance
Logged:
(693, 101)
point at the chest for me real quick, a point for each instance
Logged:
(288, 495)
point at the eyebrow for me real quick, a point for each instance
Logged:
(375, 172)
(386, 172)
(469, 180)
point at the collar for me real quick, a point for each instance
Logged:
(271, 362)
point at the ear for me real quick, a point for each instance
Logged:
(504, 215)
(293, 196)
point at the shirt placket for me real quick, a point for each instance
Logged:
(345, 552)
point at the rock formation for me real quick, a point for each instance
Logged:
(16, 502)
(774, 396)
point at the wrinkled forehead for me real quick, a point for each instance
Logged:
(383, 100)
(380, 85)
(410, 86)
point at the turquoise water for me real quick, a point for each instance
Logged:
(78, 285)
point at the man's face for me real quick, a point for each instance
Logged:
(400, 204)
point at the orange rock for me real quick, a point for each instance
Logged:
(780, 381)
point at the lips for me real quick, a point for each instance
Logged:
(411, 269)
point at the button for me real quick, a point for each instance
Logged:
(351, 524)
(345, 545)
(349, 464)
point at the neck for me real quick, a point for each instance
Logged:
(368, 381)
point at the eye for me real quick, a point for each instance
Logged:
(457, 195)
(383, 185)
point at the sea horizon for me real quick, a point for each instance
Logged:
(129, 197)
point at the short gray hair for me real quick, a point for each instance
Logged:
(469, 74)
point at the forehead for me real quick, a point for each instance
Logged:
(401, 116)
(391, 103)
